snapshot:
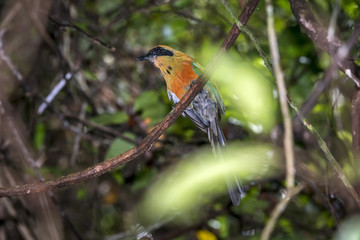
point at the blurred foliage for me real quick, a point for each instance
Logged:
(176, 190)
(150, 106)
(240, 82)
(195, 182)
(118, 146)
(106, 119)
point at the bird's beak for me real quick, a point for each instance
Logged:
(145, 57)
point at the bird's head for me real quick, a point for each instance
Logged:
(160, 51)
(170, 62)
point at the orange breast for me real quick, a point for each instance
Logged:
(178, 77)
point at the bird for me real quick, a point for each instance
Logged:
(180, 71)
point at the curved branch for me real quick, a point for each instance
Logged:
(145, 145)
(91, 38)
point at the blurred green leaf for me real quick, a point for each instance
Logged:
(88, 74)
(147, 99)
(39, 136)
(119, 146)
(150, 106)
(182, 3)
(224, 226)
(251, 205)
(109, 218)
(247, 93)
(118, 177)
(200, 178)
(81, 194)
(143, 178)
(286, 226)
(106, 119)
(349, 229)
(351, 8)
(323, 220)
(106, 5)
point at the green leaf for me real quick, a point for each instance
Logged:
(89, 75)
(118, 177)
(81, 194)
(224, 226)
(150, 106)
(105, 119)
(143, 178)
(119, 146)
(145, 100)
(39, 136)
(105, 6)
(286, 226)
(156, 113)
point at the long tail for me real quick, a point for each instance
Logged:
(217, 141)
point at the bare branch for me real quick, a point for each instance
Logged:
(104, 129)
(91, 38)
(7, 60)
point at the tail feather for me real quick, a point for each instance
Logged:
(217, 140)
(235, 190)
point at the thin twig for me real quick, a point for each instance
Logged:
(91, 38)
(7, 60)
(77, 139)
(280, 207)
(16, 137)
(54, 92)
(288, 136)
(104, 129)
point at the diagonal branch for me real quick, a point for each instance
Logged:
(145, 145)
(319, 35)
(91, 38)
(278, 210)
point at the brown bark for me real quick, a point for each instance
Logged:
(355, 117)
